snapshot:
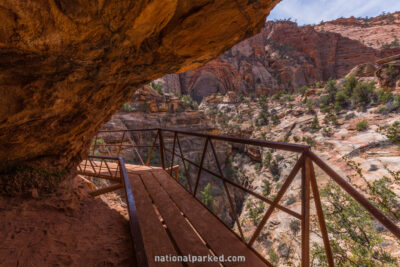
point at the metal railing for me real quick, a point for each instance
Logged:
(305, 163)
(115, 171)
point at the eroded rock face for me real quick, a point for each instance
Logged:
(285, 56)
(67, 66)
(388, 72)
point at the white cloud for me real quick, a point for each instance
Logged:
(313, 11)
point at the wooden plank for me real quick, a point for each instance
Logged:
(221, 240)
(187, 240)
(155, 238)
(105, 190)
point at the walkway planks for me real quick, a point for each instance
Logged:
(173, 222)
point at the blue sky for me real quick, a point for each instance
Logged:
(313, 11)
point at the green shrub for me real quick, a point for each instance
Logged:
(362, 125)
(392, 132)
(294, 226)
(188, 102)
(331, 88)
(274, 169)
(277, 96)
(275, 119)
(295, 138)
(266, 188)
(383, 110)
(349, 84)
(327, 131)
(384, 96)
(341, 101)
(396, 102)
(310, 108)
(318, 84)
(128, 108)
(315, 124)
(267, 159)
(309, 140)
(255, 212)
(302, 90)
(290, 200)
(206, 197)
(158, 87)
(262, 118)
(273, 257)
(363, 94)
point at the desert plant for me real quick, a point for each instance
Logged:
(315, 124)
(363, 94)
(302, 90)
(362, 125)
(331, 88)
(206, 196)
(354, 239)
(384, 96)
(188, 102)
(266, 188)
(273, 257)
(255, 211)
(128, 108)
(392, 132)
(158, 87)
(309, 140)
(294, 226)
(341, 101)
(349, 84)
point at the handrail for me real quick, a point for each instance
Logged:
(309, 184)
(136, 235)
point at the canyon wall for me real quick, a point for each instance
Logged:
(285, 56)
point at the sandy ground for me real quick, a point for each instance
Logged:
(67, 228)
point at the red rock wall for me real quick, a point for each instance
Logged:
(282, 56)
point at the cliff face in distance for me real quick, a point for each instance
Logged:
(286, 56)
(66, 67)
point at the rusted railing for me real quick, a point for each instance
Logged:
(305, 163)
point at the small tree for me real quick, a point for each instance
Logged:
(341, 101)
(315, 124)
(363, 94)
(158, 87)
(266, 188)
(349, 84)
(207, 198)
(302, 90)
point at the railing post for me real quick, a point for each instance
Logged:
(151, 150)
(120, 143)
(305, 212)
(201, 166)
(95, 144)
(320, 214)
(173, 155)
(161, 148)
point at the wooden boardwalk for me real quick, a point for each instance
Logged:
(173, 222)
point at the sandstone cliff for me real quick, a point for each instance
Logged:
(285, 56)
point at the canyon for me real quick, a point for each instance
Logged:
(90, 70)
(285, 56)
(231, 104)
